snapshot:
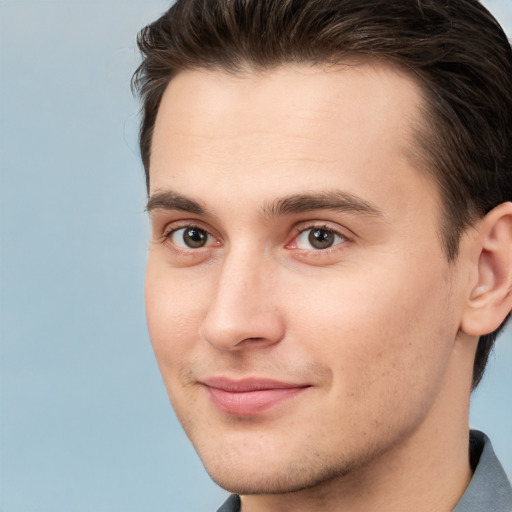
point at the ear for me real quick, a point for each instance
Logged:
(490, 298)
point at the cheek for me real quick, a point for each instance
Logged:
(173, 316)
(174, 312)
(384, 332)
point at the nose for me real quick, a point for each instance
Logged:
(243, 310)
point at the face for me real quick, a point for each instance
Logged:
(299, 302)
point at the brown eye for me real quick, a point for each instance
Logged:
(321, 238)
(190, 237)
(318, 238)
(194, 237)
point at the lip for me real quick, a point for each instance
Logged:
(249, 397)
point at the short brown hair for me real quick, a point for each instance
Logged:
(455, 48)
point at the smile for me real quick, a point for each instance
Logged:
(250, 397)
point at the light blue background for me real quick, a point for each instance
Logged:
(85, 423)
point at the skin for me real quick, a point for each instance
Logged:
(372, 326)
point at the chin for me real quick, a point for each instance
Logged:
(260, 476)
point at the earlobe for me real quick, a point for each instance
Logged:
(490, 299)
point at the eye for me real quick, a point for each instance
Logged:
(190, 237)
(318, 238)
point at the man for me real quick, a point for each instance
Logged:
(331, 251)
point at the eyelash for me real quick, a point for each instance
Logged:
(169, 233)
(323, 227)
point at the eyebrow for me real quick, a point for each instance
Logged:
(170, 200)
(332, 200)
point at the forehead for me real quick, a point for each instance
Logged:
(318, 91)
(293, 124)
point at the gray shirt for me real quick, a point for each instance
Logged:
(488, 491)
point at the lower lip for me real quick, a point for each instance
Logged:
(250, 403)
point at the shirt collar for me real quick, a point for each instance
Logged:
(489, 488)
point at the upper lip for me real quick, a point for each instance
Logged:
(248, 384)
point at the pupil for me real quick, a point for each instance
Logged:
(321, 238)
(194, 237)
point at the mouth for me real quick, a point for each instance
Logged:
(249, 397)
